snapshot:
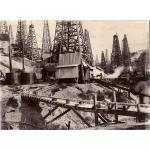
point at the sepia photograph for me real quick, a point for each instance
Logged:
(74, 75)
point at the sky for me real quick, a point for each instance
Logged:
(101, 33)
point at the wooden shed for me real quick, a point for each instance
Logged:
(71, 66)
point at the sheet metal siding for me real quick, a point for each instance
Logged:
(64, 73)
(68, 72)
(69, 58)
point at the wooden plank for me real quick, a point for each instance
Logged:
(102, 118)
(73, 104)
(79, 101)
(85, 106)
(59, 115)
(50, 111)
(81, 117)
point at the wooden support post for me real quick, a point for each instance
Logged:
(96, 119)
(68, 125)
(138, 110)
(115, 100)
(129, 94)
(116, 115)
(139, 116)
(60, 115)
(96, 113)
(50, 111)
(81, 117)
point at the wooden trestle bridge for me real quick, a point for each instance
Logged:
(140, 111)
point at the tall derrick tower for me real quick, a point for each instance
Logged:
(21, 39)
(33, 53)
(116, 59)
(11, 34)
(11, 38)
(3, 28)
(103, 61)
(126, 52)
(147, 62)
(97, 61)
(88, 48)
(46, 42)
(4, 37)
(57, 41)
(69, 38)
(70, 52)
(107, 62)
(106, 56)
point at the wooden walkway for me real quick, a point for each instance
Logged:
(140, 111)
(119, 87)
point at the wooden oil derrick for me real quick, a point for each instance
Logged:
(3, 27)
(21, 39)
(14, 77)
(147, 62)
(97, 61)
(126, 52)
(116, 59)
(33, 53)
(106, 56)
(103, 61)
(107, 62)
(69, 51)
(46, 42)
(69, 38)
(72, 37)
(88, 49)
(57, 41)
(11, 39)
(4, 35)
(10, 47)
(11, 34)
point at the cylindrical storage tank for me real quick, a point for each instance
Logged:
(28, 78)
(13, 78)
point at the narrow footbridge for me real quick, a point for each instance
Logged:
(140, 111)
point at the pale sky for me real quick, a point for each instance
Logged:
(101, 33)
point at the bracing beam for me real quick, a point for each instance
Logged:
(102, 118)
(81, 117)
(50, 112)
(59, 115)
